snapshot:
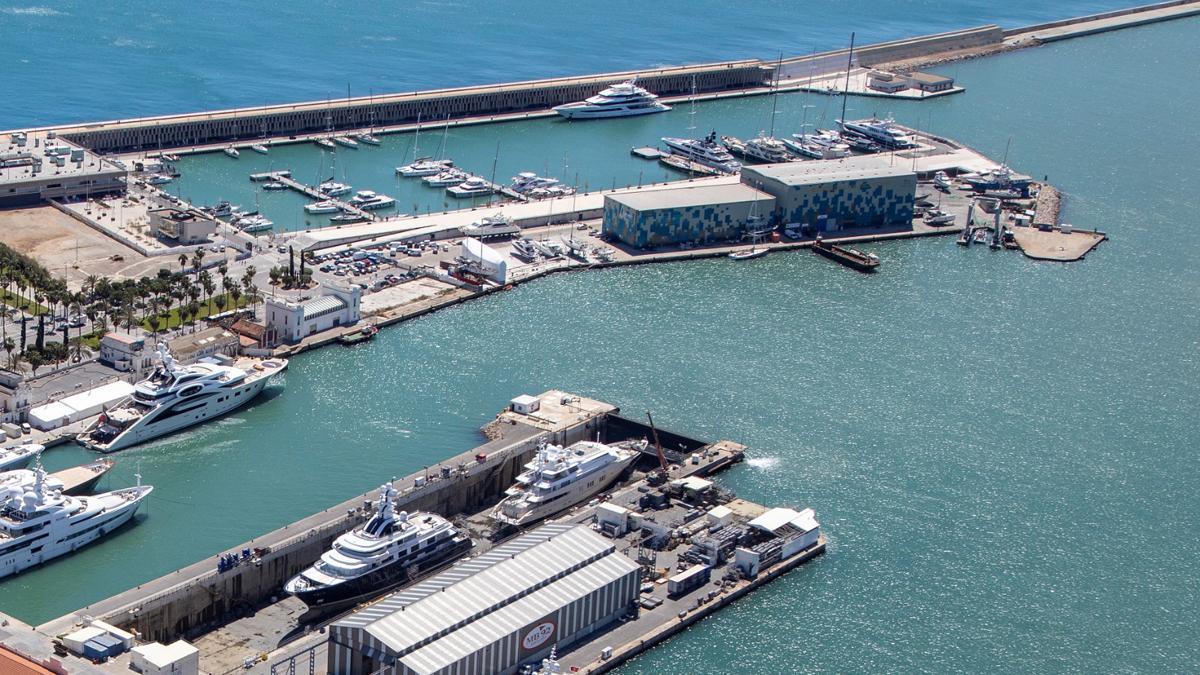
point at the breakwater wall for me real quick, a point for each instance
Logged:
(192, 600)
(894, 50)
(1127, 12)
(375, 112)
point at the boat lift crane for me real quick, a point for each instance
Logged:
(660, 475)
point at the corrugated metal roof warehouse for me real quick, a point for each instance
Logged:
(493, 613)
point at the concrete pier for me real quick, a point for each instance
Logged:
(316, 195)
(193, 599)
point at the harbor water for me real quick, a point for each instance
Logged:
(1001, 451)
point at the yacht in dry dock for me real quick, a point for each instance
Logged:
(386, 551)
(491, 226)
(175, 397)
(559, 478)
(38, 522)
(619, 100)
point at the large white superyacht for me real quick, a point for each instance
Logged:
(378, 555)
(619, 100)
(559, 478)
(708, 152)
(38, 522)
(175, 397)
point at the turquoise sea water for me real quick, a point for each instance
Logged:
(73, 60)
(1003, 452)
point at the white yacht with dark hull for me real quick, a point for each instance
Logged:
(388, 550)
(619, 100)
(175, 397)
(558, 478)
(38, 522)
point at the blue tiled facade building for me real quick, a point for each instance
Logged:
(832, 195)
(673, 215)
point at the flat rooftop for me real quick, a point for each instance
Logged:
(42, 159)
(832, 170)
(674, 197)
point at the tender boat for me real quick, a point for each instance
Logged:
(425, 166)
(390, 549)
(175, 397)
(260, 148)
(39, 523)
(325, 206)
(232, 152)
(708, 152)
(558, 478)
(618, 100)
(274, 186)
(471, 187)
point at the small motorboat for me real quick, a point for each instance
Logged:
(232, 152)
(748, 254)
(259, 148)
(325, 206)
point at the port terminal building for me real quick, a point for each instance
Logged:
(493, 614)
(862, 193)
(672, 215)
(34, 169)
(868, 192)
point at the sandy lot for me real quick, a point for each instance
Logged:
(69, 248)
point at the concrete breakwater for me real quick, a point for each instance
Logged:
(479, 103)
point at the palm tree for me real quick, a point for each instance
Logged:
(9, 346)
(198, 259)
(206, 282)
(183, 261)
(252, 296)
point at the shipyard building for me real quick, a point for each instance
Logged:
(873, 192)
(494, 613)
(673, 215)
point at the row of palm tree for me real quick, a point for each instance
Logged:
(166, 300)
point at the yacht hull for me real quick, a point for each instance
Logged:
(580, 491)
(595, 114)
(67, 542)
(158, 423)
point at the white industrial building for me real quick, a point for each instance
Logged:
(34, 169)
(494, 613)
(177, 658)
(79, 407)
(126, 353)
(484, 260)
(291, 322)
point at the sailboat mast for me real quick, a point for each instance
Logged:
(849, 63)
(775, 94)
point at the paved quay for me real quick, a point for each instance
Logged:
(1057, 245)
